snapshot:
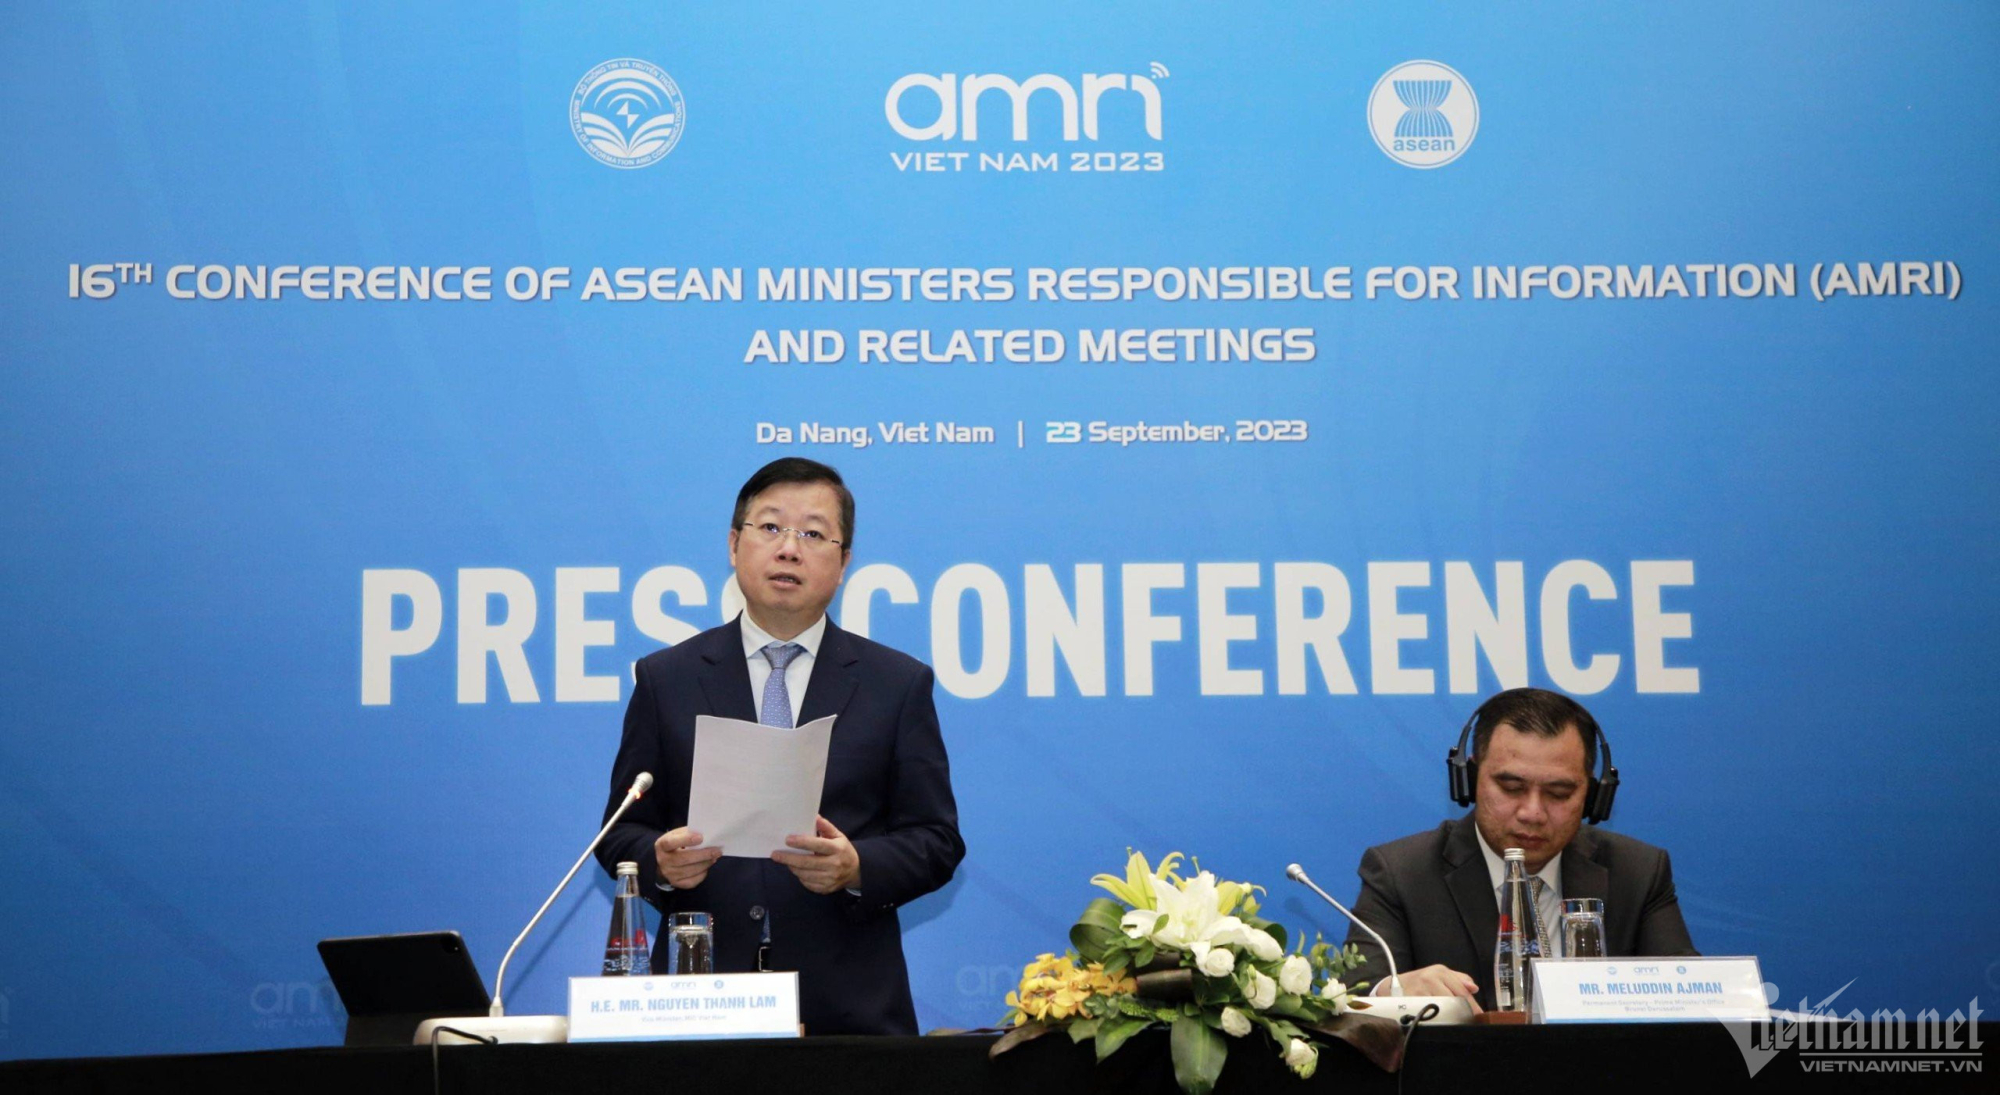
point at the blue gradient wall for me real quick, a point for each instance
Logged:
(319, 611)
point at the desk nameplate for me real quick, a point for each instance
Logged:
(1648, 990)
(704, 1005)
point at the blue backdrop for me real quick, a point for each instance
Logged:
(377, 381)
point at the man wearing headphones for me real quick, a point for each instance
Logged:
(1434, 896)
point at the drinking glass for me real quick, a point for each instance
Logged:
(1583, 927)
(690, 944)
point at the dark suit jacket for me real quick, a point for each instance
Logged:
(888, 787)
(1432, 900)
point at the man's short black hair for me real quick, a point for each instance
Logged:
(1536, 711)
(797, 469)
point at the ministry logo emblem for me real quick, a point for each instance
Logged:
(1423, 114)
(626, 112)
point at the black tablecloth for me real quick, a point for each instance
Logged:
(1687, 1059)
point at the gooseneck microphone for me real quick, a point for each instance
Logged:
(640, 786)
(1298, 874)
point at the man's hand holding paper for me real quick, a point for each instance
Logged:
(683, 862)
(827, 863)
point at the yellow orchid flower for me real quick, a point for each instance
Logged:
(1103, 984)
(1052, 987)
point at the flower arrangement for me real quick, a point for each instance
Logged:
(1191, 954)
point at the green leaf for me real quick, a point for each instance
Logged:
(1213, 990)
(1281, 1031)
(1116, 962)
(1026, 1032)
(1144, 952)
(1199, 1052)
(1091, 943)
(1115, 1032)
(1097, 930)
(1288, 1004)
(1102, 912)
(1082, 1029)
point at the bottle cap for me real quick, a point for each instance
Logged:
(1514, 853)
(628, 868)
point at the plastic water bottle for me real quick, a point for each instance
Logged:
(626, 952)
(1519, 939)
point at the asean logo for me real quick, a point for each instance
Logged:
(627, 112)
(1423, 114)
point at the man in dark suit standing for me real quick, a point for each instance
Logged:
(888, 830)
(1434, 896)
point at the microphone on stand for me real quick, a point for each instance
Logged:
(1438, 1010)
(1298, 874)
(498, 1025)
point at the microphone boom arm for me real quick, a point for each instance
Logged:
(1298, 874)
(639, 788)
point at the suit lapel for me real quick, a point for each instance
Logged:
(725, 676)
(1472, 889)
(1585, 876)
(1582, 874)
(833, 676)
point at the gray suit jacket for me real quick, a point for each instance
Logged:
(1432, 900)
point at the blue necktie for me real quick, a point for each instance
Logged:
(777, 709)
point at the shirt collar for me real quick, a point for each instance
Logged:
(756, 638)
(1496, 867)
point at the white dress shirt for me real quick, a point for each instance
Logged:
(797, 675)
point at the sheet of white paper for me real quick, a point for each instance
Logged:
(755, 785)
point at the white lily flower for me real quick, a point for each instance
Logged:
(1296, 975)
(1191, 916)
(1139, 922)
(1235, 1023)
(1262, 944)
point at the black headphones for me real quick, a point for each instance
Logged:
(1462, 769)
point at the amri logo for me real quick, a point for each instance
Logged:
(627, 112)
(1423, 114)
(958, 98)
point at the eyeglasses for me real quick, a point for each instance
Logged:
(768, 532)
